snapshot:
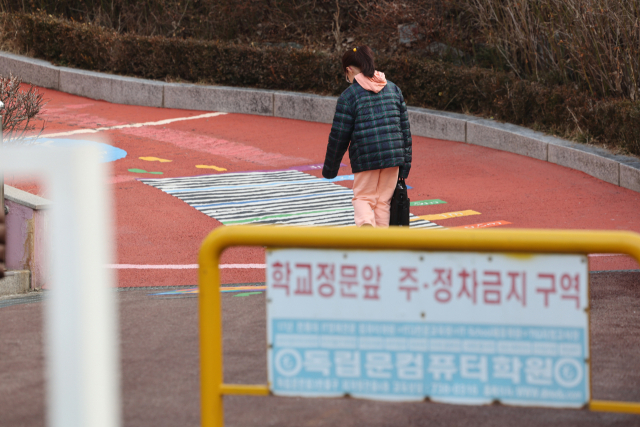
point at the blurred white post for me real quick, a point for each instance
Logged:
(1, 174)
(83, 388)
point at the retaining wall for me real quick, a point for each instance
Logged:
(623, 171)
(27, 224)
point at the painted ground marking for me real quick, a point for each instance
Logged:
(108, 153)
(133, 125)
(288, 197)
(176, 266)
(317, 166)
(427, 202)
(246, 294)
(601, 255)
(223, 289)
(482, 225)
(339, 178)
(292, 168)
(155, 159)
(143, 171)
(446, 215)
(242, 266)
(211, 167)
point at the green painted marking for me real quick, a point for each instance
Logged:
(246, 294)
(262, 218)
(143, 171)
(428, 202)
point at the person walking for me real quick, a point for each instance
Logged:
(371, 120)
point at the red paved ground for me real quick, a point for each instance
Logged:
(155, 228)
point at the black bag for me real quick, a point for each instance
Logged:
(400, 205)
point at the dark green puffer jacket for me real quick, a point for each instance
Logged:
(376, 124)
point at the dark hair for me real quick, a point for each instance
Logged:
(361, 57)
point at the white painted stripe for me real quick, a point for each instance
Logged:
(268, 199)
(176, 266)
(132, 125)
(194, 266)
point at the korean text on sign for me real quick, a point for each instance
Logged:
(467, 328)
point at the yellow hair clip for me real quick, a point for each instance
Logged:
(354, 49)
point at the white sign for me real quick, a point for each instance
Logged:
(452, 327)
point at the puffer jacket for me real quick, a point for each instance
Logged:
(376, 124)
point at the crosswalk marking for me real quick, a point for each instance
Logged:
(260, 198)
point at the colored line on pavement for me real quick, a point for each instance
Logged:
(262, 185)
(277, 199)
(211, 167)
(133, 125)
(241, 266)
(143, 171)
(302, 168)
(176, 266)
(339, 178)
(317, 166)
(446, 215)
(427, 202)
(223, 289)
(178, 292)
(482, 225)
(246, 294)
(154, 159)
(289, 215)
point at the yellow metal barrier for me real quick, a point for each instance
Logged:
(512, 240)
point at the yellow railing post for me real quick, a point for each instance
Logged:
(210, 312)
(611, 406)
(512, 240)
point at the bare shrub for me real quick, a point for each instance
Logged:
(22, 105)
(335, 28)
(321, 24)
(435, 20)
(594, 43)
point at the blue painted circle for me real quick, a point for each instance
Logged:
(108, 153)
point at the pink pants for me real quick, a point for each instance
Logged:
(372, 193)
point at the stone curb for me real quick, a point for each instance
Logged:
(34, 71)
(15, 282)
(623, 171)
(218, 98)
(112, 88)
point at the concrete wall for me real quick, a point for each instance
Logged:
(15, 282)
(618, 170)
(27, 232)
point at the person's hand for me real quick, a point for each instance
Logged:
(3, 233)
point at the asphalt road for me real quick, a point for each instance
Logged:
(160, 368)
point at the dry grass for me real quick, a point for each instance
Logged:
(593, 43)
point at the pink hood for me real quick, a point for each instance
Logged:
(373, 84)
